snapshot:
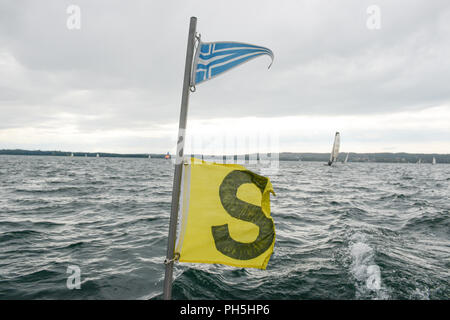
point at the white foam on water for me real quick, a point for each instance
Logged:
(421, 294)
(364, 269)
(373, 282)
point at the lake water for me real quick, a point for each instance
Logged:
(353, 231)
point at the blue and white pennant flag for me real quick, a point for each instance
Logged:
(214, 58)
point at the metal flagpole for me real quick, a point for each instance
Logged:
(179, 161)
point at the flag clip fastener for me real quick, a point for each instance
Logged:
(174, 259)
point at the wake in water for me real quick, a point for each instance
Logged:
(365, 271)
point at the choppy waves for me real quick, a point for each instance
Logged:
(354, 231)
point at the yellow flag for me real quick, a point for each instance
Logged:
(224, 216)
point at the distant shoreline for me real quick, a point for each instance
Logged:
(20, 152)
(385, 157)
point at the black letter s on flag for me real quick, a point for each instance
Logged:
(243, 211)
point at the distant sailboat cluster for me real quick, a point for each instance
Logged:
(70, 154)
(335, 152)
(333, 157)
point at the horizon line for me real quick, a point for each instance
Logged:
(235, 154)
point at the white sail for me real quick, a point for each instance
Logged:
(335, 151)
(346, 158)
(434, 160)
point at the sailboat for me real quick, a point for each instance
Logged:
(434, 161)
(335, 151)
(71, 154)
(98, 156)
(346, 159)
(149, 156)
(167, 156)
(419, 161)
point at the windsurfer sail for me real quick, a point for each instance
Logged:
(335, 150)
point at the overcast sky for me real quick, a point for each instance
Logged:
(114, 85)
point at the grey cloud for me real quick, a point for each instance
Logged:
(129, 57)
